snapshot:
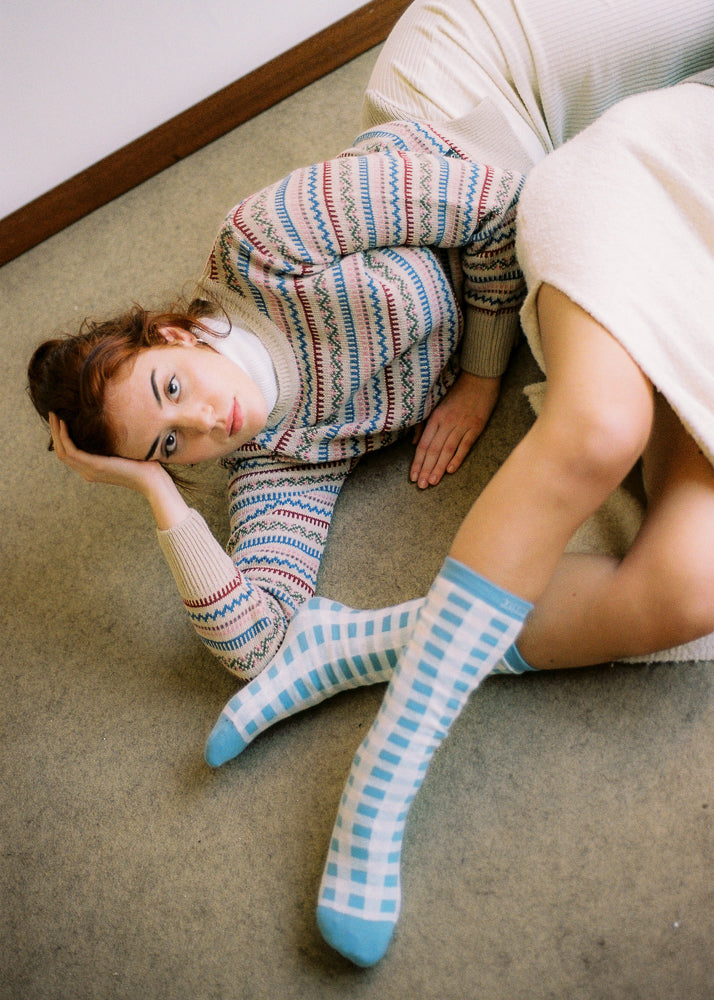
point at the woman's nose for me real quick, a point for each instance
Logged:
(200, 417)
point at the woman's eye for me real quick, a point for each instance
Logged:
(170, 444)
(173, 389)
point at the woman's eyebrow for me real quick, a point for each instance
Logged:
(155, 390)
(151, 450)
(155, 387)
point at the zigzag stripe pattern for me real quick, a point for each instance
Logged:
(373, 327)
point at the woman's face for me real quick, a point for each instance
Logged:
(183, 402)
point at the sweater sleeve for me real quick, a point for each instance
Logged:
(485, 215)
(382, 194)
(241, 601)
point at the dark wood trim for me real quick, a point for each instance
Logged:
(196, 127)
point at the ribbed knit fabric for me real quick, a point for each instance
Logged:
(543, 69)
(352, 272)
(240, 609)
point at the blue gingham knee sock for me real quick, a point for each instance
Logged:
(328, 648)
(464, 627)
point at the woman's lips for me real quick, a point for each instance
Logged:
(235, 419)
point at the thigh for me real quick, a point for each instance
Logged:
(672, 552)
(661, 594)
(593, 385)
(439, 62)
(672, 457)
(679, 483)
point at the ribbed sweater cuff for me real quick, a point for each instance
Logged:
(486, 136)
(199, 565)
(488, 342)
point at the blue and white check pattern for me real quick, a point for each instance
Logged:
(464, 627)
(328, 648)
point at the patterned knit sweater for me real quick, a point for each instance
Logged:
(361, 275)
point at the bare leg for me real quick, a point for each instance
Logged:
(597, 609)
(595, 423)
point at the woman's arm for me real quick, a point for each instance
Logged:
(241, 604)
(280, 515)
(490, 330)
(471, 206)
(401, 185)
(379, 195)
(453, 426)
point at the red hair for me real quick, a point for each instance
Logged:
(68, 375)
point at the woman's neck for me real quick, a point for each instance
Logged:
(246, 350)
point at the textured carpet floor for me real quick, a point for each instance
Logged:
(562, 844)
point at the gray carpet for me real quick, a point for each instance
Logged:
(562, 844)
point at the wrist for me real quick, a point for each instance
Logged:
(167, 505)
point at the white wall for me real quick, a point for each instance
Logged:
(81, 78)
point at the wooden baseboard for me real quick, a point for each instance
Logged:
(192, 129)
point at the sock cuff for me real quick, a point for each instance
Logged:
(478, 586)
(515, 662)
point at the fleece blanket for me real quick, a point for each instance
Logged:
(621, 219)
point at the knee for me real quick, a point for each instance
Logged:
(681, 600)
(612, 441)
(596, 448)
(694, 610)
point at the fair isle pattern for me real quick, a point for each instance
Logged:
(280, 513)
(463, 628)
(359, 265)
(328, 648)
(349, 260)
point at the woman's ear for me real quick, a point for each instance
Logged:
(177, 335)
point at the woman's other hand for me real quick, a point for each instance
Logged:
(446, 437)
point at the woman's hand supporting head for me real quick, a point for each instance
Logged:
(121, 399)
(150, 479)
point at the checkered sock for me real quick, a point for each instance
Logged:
(328, 648)
(464, 627)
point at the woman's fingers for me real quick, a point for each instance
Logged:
(450, 431)
(109, 469)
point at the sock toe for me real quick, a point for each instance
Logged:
(363, 942)
(224, 743)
